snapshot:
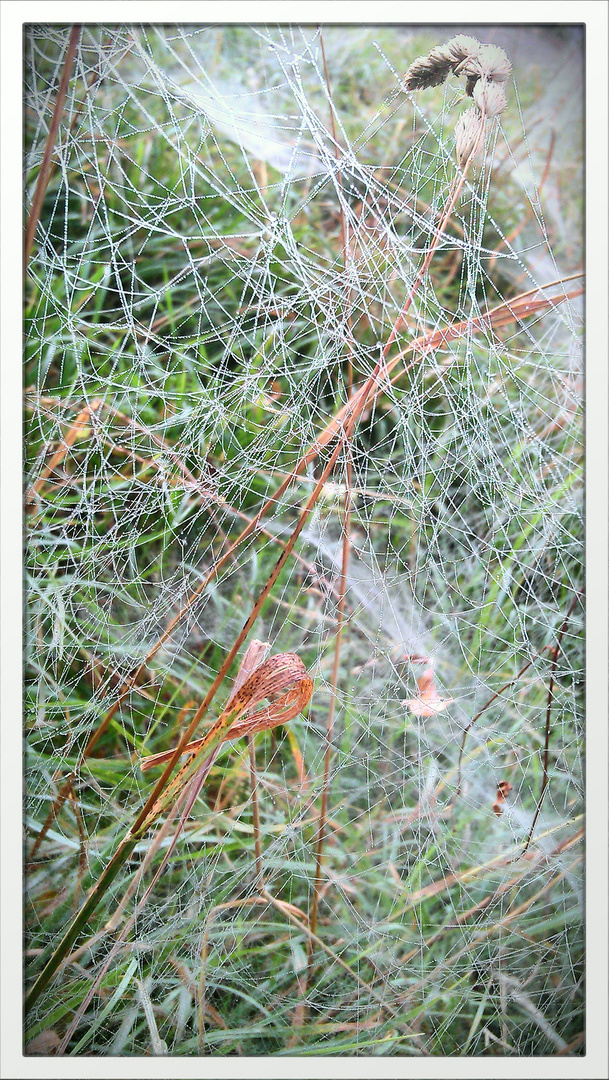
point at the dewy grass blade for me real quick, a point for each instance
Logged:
(107, 1009)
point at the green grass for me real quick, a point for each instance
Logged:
(230, 355)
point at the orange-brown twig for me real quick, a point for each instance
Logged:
(45, 168)
(546, 748)
(77, 428)
(346, 547)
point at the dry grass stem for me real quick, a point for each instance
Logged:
(46, 165)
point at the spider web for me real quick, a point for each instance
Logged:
(217, 262)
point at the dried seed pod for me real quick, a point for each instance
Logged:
(433, 69)
(468, 134)
(461, 48)
(430, 70)
(485, 68)
(489, 97)
(490, 63)
(494, 63)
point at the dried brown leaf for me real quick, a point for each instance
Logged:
(429, 702)
(283, 672)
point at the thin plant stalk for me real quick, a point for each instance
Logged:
(546, 748)
(46, 165)
(454, 194)
(475, 719)
(325, 791)
(346, 546)
(255, 811)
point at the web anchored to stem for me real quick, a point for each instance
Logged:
(303, 365)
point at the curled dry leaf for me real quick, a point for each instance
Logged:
(429, 702)
(503, 790)
(256, 681)
(255, 655)
(285, 671)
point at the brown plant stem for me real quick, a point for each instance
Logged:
(80, 423)
(325, 791)
(46, 165)
(381, 368)
(249, 622)
(546, 748)
(342, 588)
(255, 812)
(189, 477)
(343, 220)
(56, 806)
(490, 701)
